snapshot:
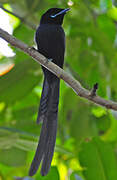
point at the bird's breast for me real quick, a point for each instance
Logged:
(50, 41)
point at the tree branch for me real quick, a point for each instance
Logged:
(60, 73)
(94, 89)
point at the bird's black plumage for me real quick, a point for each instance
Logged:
(50, 39)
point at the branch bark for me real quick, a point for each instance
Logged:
(60, 73)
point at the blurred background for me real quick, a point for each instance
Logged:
(86, 146)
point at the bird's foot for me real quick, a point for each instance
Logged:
(50, 59)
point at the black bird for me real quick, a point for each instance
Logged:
(50, 39)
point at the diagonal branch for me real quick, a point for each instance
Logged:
(75, 85)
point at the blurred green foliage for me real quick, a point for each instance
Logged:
(86, 146)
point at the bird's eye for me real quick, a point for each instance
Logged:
(53, 16)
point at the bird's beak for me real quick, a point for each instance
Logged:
(61, 12)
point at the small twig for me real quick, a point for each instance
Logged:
(60, 73)
(93, 90)
(32, 26)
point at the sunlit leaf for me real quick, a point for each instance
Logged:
(53, 175)
(112, 13)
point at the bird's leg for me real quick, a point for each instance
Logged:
(50, 60)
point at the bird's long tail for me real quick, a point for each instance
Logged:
(45, 148)
(43, 102)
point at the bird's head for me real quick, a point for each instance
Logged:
(53, 16)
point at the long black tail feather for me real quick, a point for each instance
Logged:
(51, 128)
(45, 148)
(43, 102)
(40, 150)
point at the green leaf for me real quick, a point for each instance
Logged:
(112, 13)
(75, 176)
(19, 81)
(107, 26)
(98, 160)
(24, 34)
(80, 124)
(53, 175)
(34, 4)
(13, 157)
(7, 138)
(10, 138)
